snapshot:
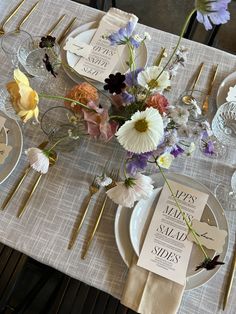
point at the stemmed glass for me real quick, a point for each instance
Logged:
(224, 128)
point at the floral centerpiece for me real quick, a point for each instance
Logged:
(150, 129)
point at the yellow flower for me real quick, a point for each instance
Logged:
(165, 160)
(24, 99)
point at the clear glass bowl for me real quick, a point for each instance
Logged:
(31, 56)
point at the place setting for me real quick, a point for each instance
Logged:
(93, 85)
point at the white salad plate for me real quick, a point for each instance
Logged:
(131, 226)
(85, 33)
(223, 90)
(13, 137)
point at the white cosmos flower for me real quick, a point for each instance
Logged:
(37, 159)
(165, 160)
(143, 132)
(148, 79)
(127, 192)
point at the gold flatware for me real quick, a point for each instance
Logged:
(26, 16)
(7, 19)
(114, 178)
(52, 161)
(205, 104)
(66, 31)
(49, 33)
(161, 56)
(230, 278)
(20, 181)
(93, 189)
(188, 99)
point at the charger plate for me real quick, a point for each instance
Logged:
(213, 214)
(12, 136)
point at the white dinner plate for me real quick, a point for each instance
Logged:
(213, 214)
(13, 138)
(85, 33)
(223, 90)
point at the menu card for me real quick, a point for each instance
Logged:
(103, 58)
(166, 249)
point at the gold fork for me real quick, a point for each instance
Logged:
(114, 176)
(93, 189)
(26, 16)
(66, 31)
(7, 19)
(49, 33)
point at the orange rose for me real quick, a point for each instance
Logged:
(158, 102)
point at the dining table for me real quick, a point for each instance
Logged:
(44, 231)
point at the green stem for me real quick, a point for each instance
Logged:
(183, 214)
(117, 117)
(65, 98)
(179, 40)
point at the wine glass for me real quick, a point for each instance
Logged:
(224, 128)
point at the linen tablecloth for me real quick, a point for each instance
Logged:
(45, 229)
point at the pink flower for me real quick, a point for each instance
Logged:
(98, 124)
(158, 102)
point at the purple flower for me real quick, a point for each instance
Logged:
(123, 35)
(212, 12)
(131, 77)
(177, 150)
(127, 98)
(137, 162)
(208, 147)
(135, 43)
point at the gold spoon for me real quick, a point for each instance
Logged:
(189, 99)
(52, 161)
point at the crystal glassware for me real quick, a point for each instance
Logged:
(62, 126)
(11, 42)
(227, 194)
(31, 56)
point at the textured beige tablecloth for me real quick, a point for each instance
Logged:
(44, 230)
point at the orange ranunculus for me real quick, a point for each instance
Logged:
(83, 93)
(24, 99)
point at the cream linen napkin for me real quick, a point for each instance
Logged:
(148, 293)
(103, 58)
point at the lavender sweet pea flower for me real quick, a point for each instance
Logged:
(177, 150)
(212, 12)
(137, 162)
(131, 77)
(123, 35)
(127, 98)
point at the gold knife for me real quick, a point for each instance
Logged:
(26, 16)
(230, 278)
(205, 104)
(12, 13)
(66, 31)
(49, 33)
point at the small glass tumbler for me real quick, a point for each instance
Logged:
(62, 127)
(31, 56)
(11, 42)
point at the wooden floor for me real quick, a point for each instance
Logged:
(28, 287)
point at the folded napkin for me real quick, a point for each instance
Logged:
(148, 293)
(104, 57)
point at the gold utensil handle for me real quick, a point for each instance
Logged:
(212, 80)
(66, 31)
(76, 232)
(197, 77)
(16, 188)
(49, 33)
(230, 280)
(12, 13)
(94, 228)
(160, 57)
(22, 209)
(26, 16)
